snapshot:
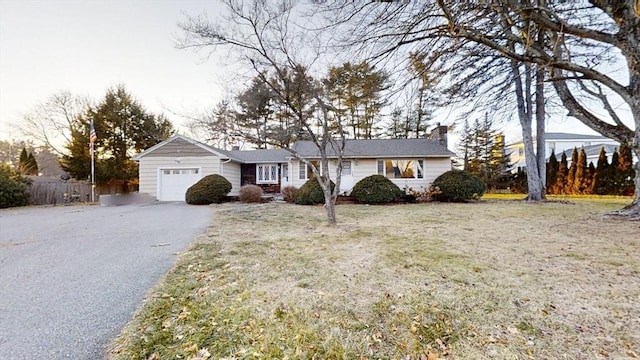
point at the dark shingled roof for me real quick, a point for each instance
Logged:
(259, 156)
(376, 148)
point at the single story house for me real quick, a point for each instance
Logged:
(169, 168)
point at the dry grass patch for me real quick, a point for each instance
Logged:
(496, 279)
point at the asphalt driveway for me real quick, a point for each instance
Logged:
(72, 276)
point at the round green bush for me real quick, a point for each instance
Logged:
(13, 188)
(311, 193)
(376, 189)
(209, 189)
(459, 186)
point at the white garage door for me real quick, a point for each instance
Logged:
(175, 182)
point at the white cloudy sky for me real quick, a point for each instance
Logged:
(86, 47)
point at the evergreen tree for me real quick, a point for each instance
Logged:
(600, 184)
(581, 173)
(552, 173)
(561, 178)
(27, 164)
(571, 175)
(466, 143)
(356, 92)
(32, 165)
(256, 108)
(625, 174)
(482, 149)
(613, 185)
(22, 162)
(589, 179)
(124, 129)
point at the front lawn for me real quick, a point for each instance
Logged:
(494, 279)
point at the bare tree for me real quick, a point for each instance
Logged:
(578, 44)
(50, 123)
(266, 38)
(575, 44)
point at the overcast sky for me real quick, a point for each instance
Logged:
(86, 47)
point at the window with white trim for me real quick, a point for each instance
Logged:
(267, 174)
(401, 168)
(304, 170)
(346, 168)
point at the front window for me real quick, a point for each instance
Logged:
(267, 174)
(346, 168)
(305, 171)
(401, 168)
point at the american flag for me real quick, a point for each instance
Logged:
(92, 133)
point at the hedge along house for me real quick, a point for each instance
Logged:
(169, 168)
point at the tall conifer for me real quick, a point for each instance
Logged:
(588, 184)
(561, 178)
(552, 173)
(625, 174)
(600, 182)
(581, 173)
(571, 176)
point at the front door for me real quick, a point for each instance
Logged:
(346, 180)
(284, 175)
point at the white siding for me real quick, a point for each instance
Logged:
(149, 171)
(362, 168)
(231, 171)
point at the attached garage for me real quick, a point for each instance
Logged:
(168, 169)
(174, 182)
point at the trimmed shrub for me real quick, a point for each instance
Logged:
(459, 186)
(376, 189)
(311, 193)
(250, 194)
(289, 193)
(209, 189)
(13, 188)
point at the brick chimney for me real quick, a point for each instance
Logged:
(440, 134)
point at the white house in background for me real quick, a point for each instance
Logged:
(169, 168)
(562, 142)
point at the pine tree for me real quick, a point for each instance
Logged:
(588, 185)
(571, 175)
(561, 178)
(625, 174)
(124, 128)
(612, 175)
(22, 162)
(552, 173)
(600, 182)
(581, 173)
(27, 165)
(32, 165)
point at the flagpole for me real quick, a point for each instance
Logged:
(93, 175)
(92, 139)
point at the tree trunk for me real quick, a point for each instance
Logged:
(330, 206)
(633, 210)
(541, 149)
(534, 182)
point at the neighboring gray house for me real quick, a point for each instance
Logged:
(170, 167)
